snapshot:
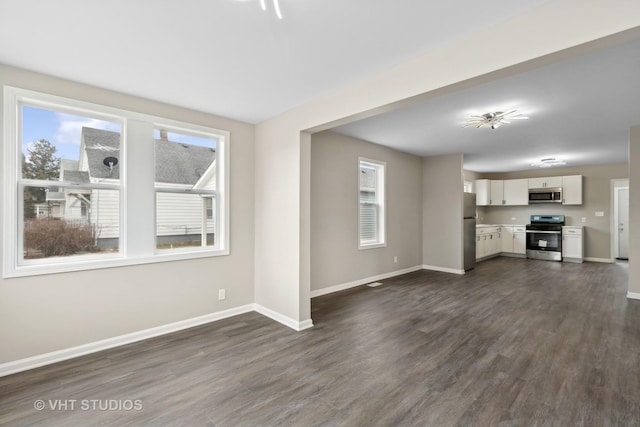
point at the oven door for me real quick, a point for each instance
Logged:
(544, 244)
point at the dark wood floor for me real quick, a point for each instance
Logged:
(512, 343)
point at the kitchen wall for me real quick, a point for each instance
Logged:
(335, 257)
(41, 314)
(596, 197)
(442, 203)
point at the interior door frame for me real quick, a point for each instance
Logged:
(616, 184)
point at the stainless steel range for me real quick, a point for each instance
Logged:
(544, 237)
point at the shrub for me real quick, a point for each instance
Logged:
(55, 237)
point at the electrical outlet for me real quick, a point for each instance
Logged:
(513, 218)
(584, 219)
(222, 294)
(599, 213)
(395, 259)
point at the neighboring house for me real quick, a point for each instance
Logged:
(179, 217)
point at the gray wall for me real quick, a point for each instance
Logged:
(442, 185)
(335, 258)
(596, 196)
(41, 314)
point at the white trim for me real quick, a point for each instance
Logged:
(15, 266)
(381, 202)
(281, 318)
(633, 295)
(615, 217)
(605, 260)
(348, 285)
(81, 350)
(443, 269)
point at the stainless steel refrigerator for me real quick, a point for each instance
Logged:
(469, 230)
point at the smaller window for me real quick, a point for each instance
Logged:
(371, 198)
(186, 190)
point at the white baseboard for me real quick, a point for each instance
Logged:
(84, 349)
(281, 318)
(360, 282)
(443, 269)
(633, 295)
(605, 260)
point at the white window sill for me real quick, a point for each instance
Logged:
(111, 262)
(372, 246)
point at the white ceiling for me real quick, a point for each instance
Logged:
(230, 58)
(579, 110)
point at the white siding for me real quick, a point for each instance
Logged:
(180, 214)
(105, 213)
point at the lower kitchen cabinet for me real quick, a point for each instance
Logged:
(494, 240)
(488, 241)
(519, 240)
(513, 239)
(572, 244)
(507, 239)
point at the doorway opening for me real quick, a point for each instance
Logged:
(620, 223)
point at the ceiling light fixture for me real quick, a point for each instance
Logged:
(493, 120)
(547, 163)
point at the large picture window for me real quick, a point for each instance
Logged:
(86, 179)
(371, 197)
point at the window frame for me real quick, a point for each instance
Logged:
(171, 126)
(380, 202)
(130, 240)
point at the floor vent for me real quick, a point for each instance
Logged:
(374, 284)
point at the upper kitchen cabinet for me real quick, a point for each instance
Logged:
(496, 192)
(516, 192)
(489, 192)
(483, 192)
(572, 190)
(546, 182)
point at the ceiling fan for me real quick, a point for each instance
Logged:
(494, 120)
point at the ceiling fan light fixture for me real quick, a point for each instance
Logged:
(548, 162)
(493, 119)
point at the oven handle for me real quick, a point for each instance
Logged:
(544, 232)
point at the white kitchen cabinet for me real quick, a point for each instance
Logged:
(513, 239)
(572, 244)
(483, 192)
(497, 193)
(572, 190)
(494, 246)
(487, 241)
(546, 182)
(506, 239)
(519, 240)
(516, 192)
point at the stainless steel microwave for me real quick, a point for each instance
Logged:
(545, 195)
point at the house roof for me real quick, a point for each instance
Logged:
(76, 177)
(176, 163)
